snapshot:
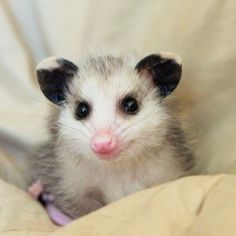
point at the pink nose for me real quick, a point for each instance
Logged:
(104, 142)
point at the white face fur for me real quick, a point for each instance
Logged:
(104, 89)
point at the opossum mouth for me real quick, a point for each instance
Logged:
(117, 153)
(109, 157)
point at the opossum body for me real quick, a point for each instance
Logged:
(112, 134)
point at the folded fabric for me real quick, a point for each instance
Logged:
(197, 205)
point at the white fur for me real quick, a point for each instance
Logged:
(48, 63)
(172, 56)
(117, 180)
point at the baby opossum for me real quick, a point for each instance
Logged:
(113, 134)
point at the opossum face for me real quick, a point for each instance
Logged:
(111, 107)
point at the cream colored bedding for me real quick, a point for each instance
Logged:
(192, 206)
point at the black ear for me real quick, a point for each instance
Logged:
(54, 74)
(164, 69)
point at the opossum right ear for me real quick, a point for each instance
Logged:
(54, 74)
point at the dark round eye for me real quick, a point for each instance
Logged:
(82, 110)
(129, 105)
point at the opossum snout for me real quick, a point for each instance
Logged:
(104, 143)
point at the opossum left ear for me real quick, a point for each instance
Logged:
(54, 75)
(164, 69)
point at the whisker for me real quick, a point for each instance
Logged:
(85, 125)
(73, 129)
(134, 123)
(40, 99)
(48, 162)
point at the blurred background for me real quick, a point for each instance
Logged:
(202, 32)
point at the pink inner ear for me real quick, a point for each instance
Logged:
(104, 142)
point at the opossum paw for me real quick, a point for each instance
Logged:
(35, 189)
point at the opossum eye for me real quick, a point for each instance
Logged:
(83, 110)
(129, 105)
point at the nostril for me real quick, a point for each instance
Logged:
(104, 145)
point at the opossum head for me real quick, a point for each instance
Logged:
(111, 107)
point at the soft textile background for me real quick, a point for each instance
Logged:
(202, 32)
(191, 206)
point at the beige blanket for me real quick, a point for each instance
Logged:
(192, 206)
